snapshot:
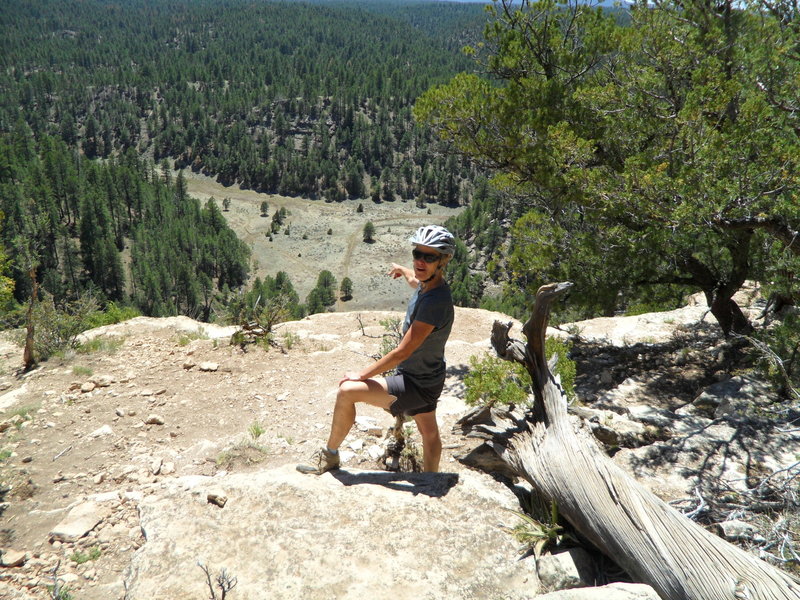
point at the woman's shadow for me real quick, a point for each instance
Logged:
(434, 485)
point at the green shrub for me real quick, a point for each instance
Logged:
(60, 593)
(492, 380)
(535, 534)
(79, 557)
(392, 336)
(290, 340)
(565, 367)
(24, 412)
(256, 430)
(113, 313)
(185, 337)
(56, 328)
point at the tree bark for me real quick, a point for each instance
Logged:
(729, 315)
(653, 542)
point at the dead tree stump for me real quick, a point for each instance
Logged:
(653, 542)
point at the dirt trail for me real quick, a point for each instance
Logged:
(323, 236)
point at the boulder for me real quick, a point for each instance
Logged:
(736, 530)
(104, 380)
(79, 521)
(613, 591)
(11, 592)
(701, 450)
(12, 558)
(103, 431)
(571, 569)
(613, 429)
(732, 397)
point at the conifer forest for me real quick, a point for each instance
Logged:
(101, 100)
(644, 151)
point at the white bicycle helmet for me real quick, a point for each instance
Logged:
(434, 236)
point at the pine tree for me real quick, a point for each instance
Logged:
(369, 232)
(326, 284)
(314, 303)
(346, 289)
(6, 283)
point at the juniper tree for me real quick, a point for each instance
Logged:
(659, 154)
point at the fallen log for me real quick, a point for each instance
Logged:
(652, 541)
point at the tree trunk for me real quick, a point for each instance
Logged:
(28, 355)
(653, 542)
(729, 315)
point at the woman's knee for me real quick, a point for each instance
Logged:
(352, 391)
(346, 392)
(428, 428)
(431, 436)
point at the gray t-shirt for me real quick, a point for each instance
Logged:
(426, 366)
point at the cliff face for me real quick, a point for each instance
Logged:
(127, 467)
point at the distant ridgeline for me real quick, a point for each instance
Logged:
(302, 99)
(117, 228)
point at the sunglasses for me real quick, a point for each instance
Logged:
(428, 257)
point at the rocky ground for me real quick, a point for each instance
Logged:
(168, 397)
(89, 441)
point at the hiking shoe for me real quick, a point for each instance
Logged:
(321, 462)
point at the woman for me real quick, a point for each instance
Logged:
(419, 358)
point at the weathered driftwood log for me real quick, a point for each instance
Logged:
(652, 541)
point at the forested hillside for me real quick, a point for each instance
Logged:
(99, 100)
(289, 98)
(76, 223)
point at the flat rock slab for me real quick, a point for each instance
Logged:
(346, 534)
(12, 558)
(10, 398)
(80, 521)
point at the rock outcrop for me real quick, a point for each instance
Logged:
(183, 464)
(347, 534)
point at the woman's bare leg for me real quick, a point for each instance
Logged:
(431, 442)
(370, 391)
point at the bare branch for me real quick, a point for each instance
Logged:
(57, 590)
(777, 361)
(224, 581)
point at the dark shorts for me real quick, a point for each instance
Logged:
(411, 398)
